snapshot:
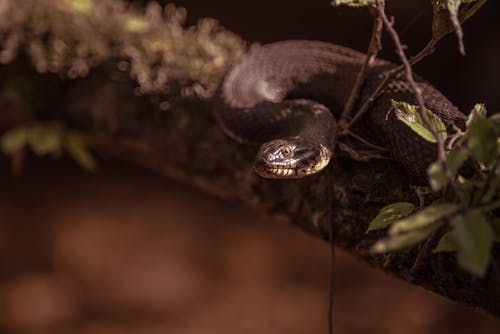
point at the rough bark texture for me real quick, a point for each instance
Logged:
(184, 142)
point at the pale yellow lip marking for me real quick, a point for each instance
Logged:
(290, 172)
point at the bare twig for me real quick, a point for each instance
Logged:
(420, 100)
(368, 101)
(363, 156)
(331, 287)
(364, 141)
(473, 10)
(332, 239)
(389, 75)
(458, 26)
(373, 49)
(426, 250)
(427, 50)
(409, 73)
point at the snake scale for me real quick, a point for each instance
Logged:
(285, 96)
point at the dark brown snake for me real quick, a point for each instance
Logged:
(284, 96)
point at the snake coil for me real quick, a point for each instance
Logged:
(284, 96)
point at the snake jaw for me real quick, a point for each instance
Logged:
(291, 158)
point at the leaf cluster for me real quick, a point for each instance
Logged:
(48, 139)
(473, 159)
(465, 178)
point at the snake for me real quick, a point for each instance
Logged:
(286, 97)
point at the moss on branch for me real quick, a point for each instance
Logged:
(69, 37)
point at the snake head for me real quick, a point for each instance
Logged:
(291, 158)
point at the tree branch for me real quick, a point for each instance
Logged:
(184, 143)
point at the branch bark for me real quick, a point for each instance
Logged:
(185, 143)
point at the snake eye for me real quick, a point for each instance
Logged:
(286, 151)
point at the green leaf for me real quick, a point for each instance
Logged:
(400, 241)
(447, 15)
(483, 140)
(437, 176)
(441, 23)
(14, 140)
(447, 243)
(389, 214)
(474, 240)
(410, 115)
(75, 144)
(424, 217)
(44, 139)
(479, 111)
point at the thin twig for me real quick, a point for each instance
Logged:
(364, 141)
(373, 49)
(332, 237)
(363, 156)
(475, 7)
(412, 21)
(429, 48)
(426, 51)
(331, 286)
(389, 75)
(420, 99)
(426, 249)
(409, 74)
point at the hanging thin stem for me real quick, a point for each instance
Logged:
(418, 95)
(389, 75)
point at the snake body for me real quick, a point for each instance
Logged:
(285, 96)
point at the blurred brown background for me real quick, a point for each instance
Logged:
(126, 251)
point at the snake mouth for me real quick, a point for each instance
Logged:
(295, 169)
(269, 172)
